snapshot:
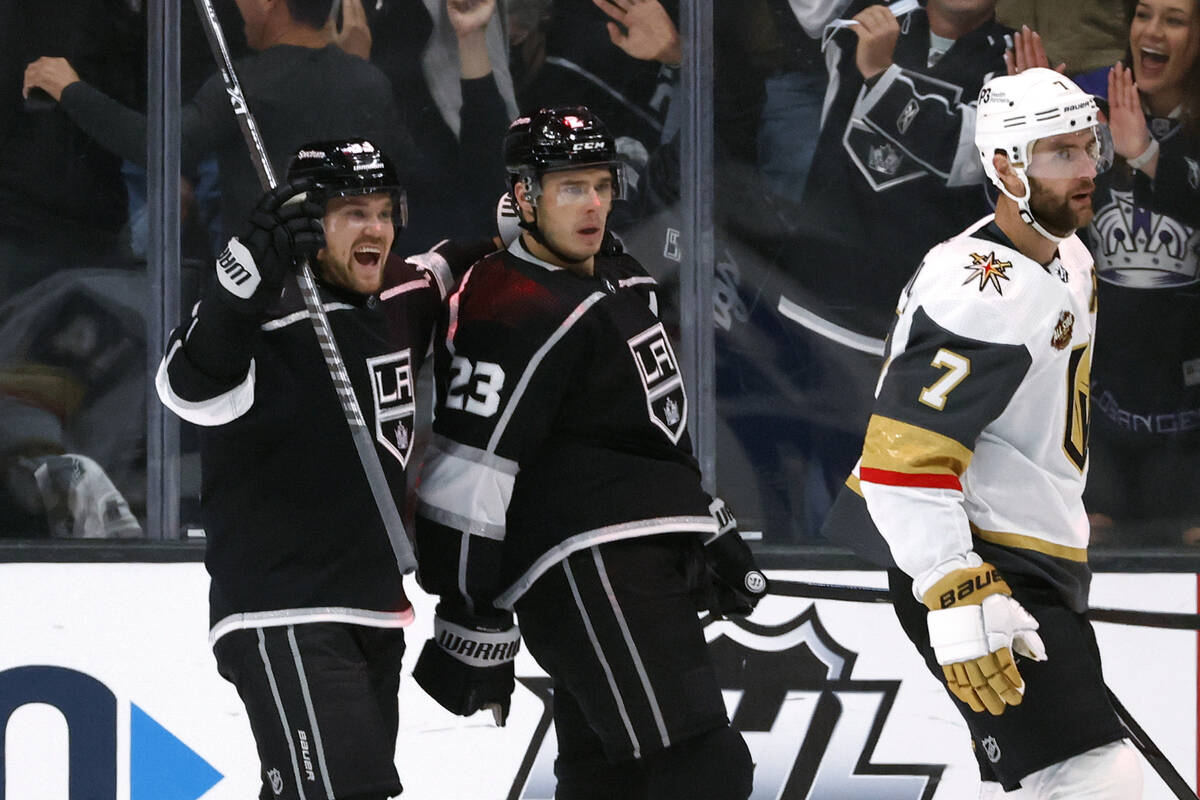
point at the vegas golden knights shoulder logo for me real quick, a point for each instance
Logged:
(658, 368)
(395, 402)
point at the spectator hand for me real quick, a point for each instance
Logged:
(49, 74)
(1027, 51)
(643, 29)
(355, 35)
(468, 664)
(469, 16)
(284, 227)
(974, 626)
(877, 31)
(1126, 121)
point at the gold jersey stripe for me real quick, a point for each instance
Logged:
(900, 447)
(853, 484)
(1023, 542)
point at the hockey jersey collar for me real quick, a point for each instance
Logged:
(518, 249)
(991, 232)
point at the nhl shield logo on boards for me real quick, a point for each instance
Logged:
(395, 402)
(659, 371)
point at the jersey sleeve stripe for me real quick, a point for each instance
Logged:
(466, 493)
(217, 410)
(435, 265)
(894, 446)
(407, 286)
(918, 480)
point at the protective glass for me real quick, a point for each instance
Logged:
(1086, 153)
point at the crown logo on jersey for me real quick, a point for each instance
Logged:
(1142, 249)
(1063, 330)
(988, 270)
(884, 159)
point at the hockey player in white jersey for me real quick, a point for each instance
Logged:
(975, 457)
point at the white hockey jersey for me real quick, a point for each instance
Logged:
(978, 437)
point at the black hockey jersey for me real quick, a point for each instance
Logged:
(560, 424)
(895, 171)
(1146, 242)
(293, 532)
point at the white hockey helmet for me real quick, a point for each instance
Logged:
(1015, 111)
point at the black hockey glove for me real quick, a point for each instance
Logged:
(736, 584)
(284, 227)
(468, 664)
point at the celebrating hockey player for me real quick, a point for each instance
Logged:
(975, 456)
(306, 600)
(562, 485)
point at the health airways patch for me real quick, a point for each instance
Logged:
(395, 403)
(659, 370)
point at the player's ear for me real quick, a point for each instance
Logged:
(524, 204)
(1005, 172)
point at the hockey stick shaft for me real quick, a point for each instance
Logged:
(367, 454)
(1149, 750)
(863, 594)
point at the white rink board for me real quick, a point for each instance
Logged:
(865, 697)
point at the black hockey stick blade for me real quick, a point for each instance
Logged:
(386, 503)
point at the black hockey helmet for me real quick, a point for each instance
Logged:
(555, 139)
(344, 167)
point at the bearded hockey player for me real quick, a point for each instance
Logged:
(562, 486)
(975, 457)
(306, 599)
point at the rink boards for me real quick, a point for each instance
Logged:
(107, 683)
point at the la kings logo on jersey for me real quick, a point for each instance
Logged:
(395, 402)
(811, 728)
(659, 370)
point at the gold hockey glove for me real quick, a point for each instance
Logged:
(974, 626)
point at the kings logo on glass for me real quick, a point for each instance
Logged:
(658, 367)
(395, 403)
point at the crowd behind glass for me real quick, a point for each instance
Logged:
(828, 190)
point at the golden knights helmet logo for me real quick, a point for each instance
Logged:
(395, 402)
(811, 728)
(658, 368)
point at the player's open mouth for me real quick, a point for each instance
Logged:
(589, 231)
(368, 255)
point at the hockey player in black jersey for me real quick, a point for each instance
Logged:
(306, 599)
(561, 485)
(972, 471)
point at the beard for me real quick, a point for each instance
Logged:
(1055, 212)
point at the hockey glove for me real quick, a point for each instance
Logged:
(736, 583)
(284, 227)
(974, 627)
(468, 664)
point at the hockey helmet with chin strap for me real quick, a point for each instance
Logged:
(1015, 111)
(347, 167)
(557, 139)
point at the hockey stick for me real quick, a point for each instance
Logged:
(862, 594)
(1149, 750)
(1162, 765)
(401, 547)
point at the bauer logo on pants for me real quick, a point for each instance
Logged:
(659, 370)
(395, 403)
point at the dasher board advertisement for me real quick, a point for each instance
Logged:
(108, 689)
